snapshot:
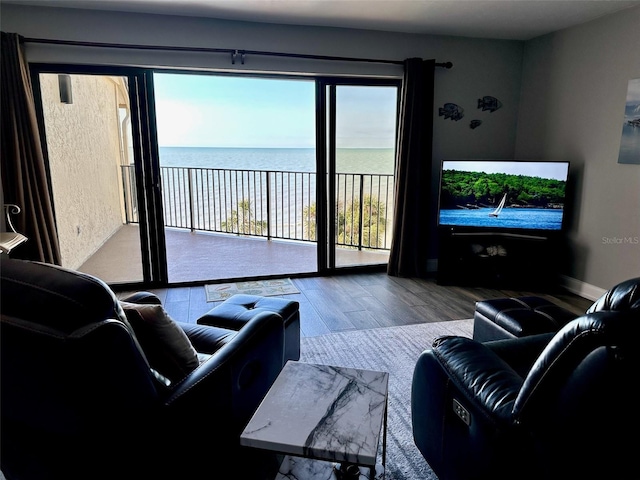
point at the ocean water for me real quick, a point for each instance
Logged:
(531, 218)
(348, 160)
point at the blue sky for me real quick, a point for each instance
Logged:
(227, 111)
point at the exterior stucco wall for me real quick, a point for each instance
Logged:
(83, 143)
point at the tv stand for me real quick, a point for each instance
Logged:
(499, 259)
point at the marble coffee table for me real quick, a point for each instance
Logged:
(323, 412)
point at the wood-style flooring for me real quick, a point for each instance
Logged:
(367, 300)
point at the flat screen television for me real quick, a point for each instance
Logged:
(503, 195)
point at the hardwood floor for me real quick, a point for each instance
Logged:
(367, 300)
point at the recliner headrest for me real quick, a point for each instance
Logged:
(624, 296)
(615, 331)
(60, 298)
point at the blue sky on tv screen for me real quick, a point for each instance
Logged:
(542, 169)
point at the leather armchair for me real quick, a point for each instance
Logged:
(80, 399)
(550, 406)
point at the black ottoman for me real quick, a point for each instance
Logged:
(235, 311)
(502, 318)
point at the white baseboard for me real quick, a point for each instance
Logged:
(585, 290)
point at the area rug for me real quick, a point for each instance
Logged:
(394, 350)
(265, 288)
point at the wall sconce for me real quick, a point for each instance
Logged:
(64, 84)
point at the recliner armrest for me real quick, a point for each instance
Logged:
(461, 399)
(146, 298)
(235, 378)
(486, 379)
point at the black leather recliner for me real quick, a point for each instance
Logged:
(550, 406)
(80, 399)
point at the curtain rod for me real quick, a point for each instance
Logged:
(233, 52)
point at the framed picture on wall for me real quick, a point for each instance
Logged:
(630, 144)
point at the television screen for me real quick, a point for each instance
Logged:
(503, 194)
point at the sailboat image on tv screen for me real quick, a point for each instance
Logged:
(497, 211)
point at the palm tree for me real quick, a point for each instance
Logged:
(243, 221)
(309, 215)
(374, 222)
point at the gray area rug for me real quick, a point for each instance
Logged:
(394, 350)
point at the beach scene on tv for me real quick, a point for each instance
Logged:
(503, 194)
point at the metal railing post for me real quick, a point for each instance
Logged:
(191, 222)
(268, 206)
(361, 219)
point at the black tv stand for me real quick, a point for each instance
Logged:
(496, 259)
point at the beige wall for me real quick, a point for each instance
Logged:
(481, 67)
(573, 96)
(84, 148)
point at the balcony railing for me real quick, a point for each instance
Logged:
(272, 204)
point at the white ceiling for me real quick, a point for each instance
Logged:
(500, 19)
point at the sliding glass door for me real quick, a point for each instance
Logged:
(168, 177)
(359, 158)
(239, 171)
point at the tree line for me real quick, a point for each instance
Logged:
(460, 188)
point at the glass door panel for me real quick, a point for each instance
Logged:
(237, 161)
(364, 140)
(87, 122)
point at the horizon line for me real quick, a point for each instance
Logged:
(307, 148)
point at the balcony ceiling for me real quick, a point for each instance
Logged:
(498, 19)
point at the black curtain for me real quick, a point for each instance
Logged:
(24, 176)
(410, 244)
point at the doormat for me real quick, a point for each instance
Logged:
(264, 288)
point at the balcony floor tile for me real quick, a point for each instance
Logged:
(204, 256)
